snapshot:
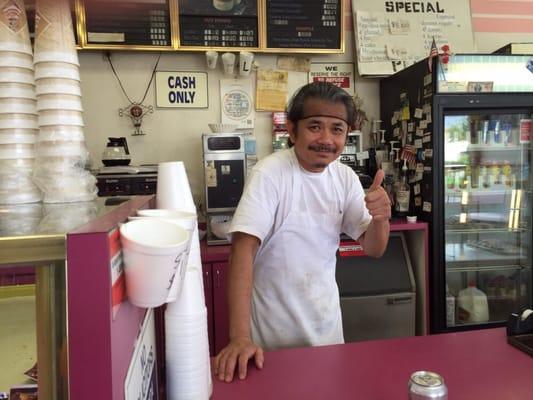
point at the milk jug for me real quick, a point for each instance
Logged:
(472, 305)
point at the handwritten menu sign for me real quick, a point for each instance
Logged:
(391, 35)
(218, 23)
(304, 24)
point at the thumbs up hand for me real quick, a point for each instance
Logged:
(377, 200)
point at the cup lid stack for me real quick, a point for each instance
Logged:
(18, 113)
(61, 153)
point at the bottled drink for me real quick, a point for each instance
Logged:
(485, 133)
(507, 174)
(496, 173)
(474, 130)
(496, 129)
(401, 205)
(450, 178)
(472, 305)
(450, 308)
(485, 176)
(474, 176)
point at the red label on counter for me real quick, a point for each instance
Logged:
(351, 249)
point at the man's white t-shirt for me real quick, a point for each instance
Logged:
(298, 216)
(267, 196)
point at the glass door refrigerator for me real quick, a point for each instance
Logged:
(469, 124)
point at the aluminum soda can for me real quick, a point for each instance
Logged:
(426, 385)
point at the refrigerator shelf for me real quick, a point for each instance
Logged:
(450, 267)
(453, 231)
(494, 147)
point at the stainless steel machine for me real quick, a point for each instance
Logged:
(377, 295)
(224, 174)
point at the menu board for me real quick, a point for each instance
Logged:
(392, 35)
(218, 23)
(304, 24)
(140, 22)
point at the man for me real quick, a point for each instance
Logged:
(285, 233)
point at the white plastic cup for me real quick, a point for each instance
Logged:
(17, 106)
(61, 70)
(152, 251)
(16, 151)
(69, 57)
(60, 132)
(20, 136)
(211, 58)
(59, 102)
(61, 148)
(60, 117)
(57, 86)
(173, 190)
(191, 299)
(16, 75)
(18, 121)
(12, 90)
(228, 61)
(16, 59)
(246, 60)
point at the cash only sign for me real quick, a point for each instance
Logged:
(181, 89)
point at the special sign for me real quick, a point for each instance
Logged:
(181, 89)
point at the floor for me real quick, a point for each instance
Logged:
(18, 348)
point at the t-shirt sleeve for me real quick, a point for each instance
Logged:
(256, 209)
(356, 217)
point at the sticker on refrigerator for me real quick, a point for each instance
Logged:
(225, 169)
(426, 206)
(418, 113)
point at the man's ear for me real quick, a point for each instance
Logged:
(291, 128)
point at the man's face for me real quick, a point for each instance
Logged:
(320, 135)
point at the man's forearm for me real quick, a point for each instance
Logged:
(375, 239)
(240, 288)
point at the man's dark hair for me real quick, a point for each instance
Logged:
(322, 91)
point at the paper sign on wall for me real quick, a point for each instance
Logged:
(340, 74)
(391, 35)
(181, 89)
(237, 105)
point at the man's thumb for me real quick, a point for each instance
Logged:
(378, 179)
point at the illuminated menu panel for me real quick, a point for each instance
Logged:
(304, 24)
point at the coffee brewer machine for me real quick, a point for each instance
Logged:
(224, 173)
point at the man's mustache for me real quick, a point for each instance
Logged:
(323, 148)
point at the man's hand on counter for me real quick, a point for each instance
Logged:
(236, 354)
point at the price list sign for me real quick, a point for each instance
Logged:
(145, 22)
(304, 24)
(217, 23)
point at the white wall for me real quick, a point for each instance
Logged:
(175, 134)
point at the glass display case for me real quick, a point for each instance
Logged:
(487, 215)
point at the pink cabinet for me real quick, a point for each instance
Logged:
(215, 281)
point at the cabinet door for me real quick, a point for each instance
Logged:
(207, 271)
(220, 305)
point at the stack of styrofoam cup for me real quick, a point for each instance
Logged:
(173, 189)
(186, 342)
(153, 251)
(59, 218)
(20, 219)
(18, 115)
(61, 153)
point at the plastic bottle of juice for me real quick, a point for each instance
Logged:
(472, 305)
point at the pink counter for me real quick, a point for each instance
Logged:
(475, 365)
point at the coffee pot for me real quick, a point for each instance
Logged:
(116, 152)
